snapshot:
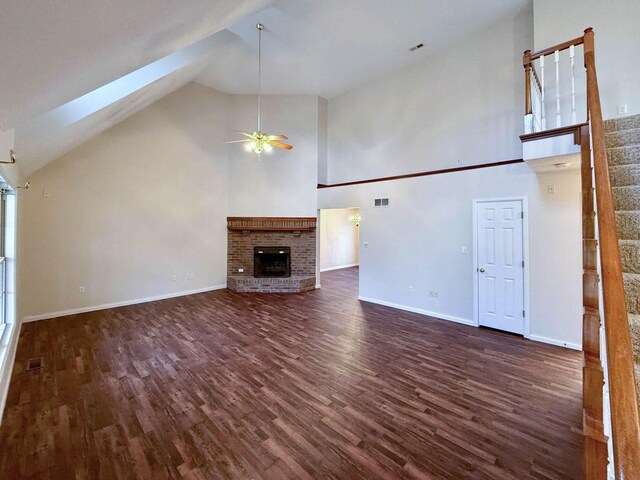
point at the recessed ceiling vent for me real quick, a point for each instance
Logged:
(381, 202)
(413, 49)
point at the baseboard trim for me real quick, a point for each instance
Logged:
(553, 341)
(105, 306)
(317, 285)
(440, 316)
(6, 364)
(339, 267)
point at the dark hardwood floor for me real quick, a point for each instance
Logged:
(316, 385)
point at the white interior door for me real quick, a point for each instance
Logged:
(500, 266)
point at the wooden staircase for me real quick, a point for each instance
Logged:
(623, 152)
(611, 262)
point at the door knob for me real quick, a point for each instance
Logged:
(481, 270)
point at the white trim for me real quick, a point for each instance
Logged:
(339, 267)
(75, 311)
(8, 350)
(421, 311)
(525, 256)
(553, 341)
(318, 285)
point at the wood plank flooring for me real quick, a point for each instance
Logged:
(309, 386)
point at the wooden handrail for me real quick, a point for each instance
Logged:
(555, 132)
(622, 392)
(560, 47)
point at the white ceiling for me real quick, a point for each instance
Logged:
(52, 52)
(327, 47)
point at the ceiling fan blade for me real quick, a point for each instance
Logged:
(280, 145)
(244, 133)
(238, 141)
(277, 137)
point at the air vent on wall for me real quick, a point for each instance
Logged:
(381, 202)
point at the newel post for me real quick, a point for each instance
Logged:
(526, 62)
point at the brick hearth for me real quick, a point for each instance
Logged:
(245, 233)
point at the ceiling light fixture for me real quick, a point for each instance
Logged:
(259, 142)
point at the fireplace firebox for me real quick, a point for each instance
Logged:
(271, 262)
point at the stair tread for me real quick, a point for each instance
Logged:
(629, 155)
(622, 123)
(627, 241)
(623, 138)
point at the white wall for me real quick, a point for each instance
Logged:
(125, 212)
(11, 173)
(338, 238)
(323, 145)
(463, 105)
(617, 43)
(418, 240)
(283, 183)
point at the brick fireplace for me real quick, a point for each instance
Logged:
(271, 254)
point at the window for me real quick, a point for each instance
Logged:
(7, 247)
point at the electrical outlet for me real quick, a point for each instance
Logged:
(191, 276)
(241, 270)
(622, 109)
(365, 244)
(434, 293)
(410, 289)
(463, 250)
(81, 290)
(46, 193)
(174, 278)
(551, 189)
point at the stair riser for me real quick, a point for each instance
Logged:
(624, 175)
(623, 138)
(632, 292)
(634, 326)
(630, 256)
(618, 124)
(626, 198)
(624, 156)
(628, 224)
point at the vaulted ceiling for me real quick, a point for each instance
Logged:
(72, 69)
(326, 47)
(53, 52)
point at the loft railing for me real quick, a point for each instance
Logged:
(611, 425)
(544, 98)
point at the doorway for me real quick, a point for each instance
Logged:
(339, 241)
(501, 266)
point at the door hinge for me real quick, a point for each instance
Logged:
(522, 263)
(523, 315)
(521, 214)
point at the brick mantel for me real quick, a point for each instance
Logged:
(272, 223)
